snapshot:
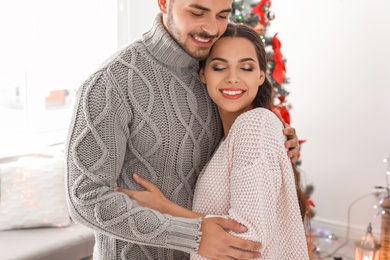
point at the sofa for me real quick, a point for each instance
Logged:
(74, 242)
(34, 217)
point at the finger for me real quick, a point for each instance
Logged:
(237, 242)
(235, 253)
(129, 193)
(292, 143)
(294, 159)
(293, 154)
(289, 131)
(145, 183)
(244, 248)
(240, 249)
(231, 225)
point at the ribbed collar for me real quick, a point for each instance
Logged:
(164, 48)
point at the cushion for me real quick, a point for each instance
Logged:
(32, 192)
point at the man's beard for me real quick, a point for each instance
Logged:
(200, 53)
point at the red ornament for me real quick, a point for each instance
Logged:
(279, 69)
(282, 110)
(301, 141)
(311, 203)
(258, 9)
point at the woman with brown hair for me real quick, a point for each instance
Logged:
(249, 178)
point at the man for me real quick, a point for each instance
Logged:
(146, 111)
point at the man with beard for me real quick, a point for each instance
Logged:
(145, 111)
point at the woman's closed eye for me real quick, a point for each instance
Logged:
(218, 68)
(247, 68)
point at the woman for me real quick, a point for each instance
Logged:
(250, 178)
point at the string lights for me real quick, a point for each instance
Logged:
(383, 192)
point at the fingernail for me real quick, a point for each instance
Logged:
(243, 228)
(116, 189)
(135, 176)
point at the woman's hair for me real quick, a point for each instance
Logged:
(265, 92)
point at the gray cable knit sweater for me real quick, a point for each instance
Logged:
(143, 111)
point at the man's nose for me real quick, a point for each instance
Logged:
(211, 27)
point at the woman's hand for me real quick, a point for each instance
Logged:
(292, 139)
(151, 198)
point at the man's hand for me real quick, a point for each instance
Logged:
(292, 139)
(217, 243)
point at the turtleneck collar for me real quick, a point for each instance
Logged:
(164, 48)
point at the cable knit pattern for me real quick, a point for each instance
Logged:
(250, 179)
(143, 111)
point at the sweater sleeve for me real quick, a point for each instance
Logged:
(263, 195)
(96, 149)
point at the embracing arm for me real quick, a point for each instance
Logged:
(153, 198)
(96, 149)
(215, 243)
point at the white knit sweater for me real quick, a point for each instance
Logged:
(250, 179)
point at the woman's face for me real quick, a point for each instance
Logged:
(232, 74)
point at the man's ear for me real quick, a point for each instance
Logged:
(201, 76)
(162, 4)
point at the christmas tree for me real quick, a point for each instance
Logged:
(258, 16)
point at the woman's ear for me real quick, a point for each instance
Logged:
(201, 76)
(162, 4)
(262, 77)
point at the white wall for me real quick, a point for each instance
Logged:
(338, 62)
(137, 19)
(338, 57)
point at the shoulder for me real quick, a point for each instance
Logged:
(256, 136)
(258, 119)
(127, 54)
(259, 128)
(132, 57)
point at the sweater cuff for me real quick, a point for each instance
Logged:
(184, 234)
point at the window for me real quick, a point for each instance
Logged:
(48, 48)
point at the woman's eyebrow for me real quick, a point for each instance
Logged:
(225, 60)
